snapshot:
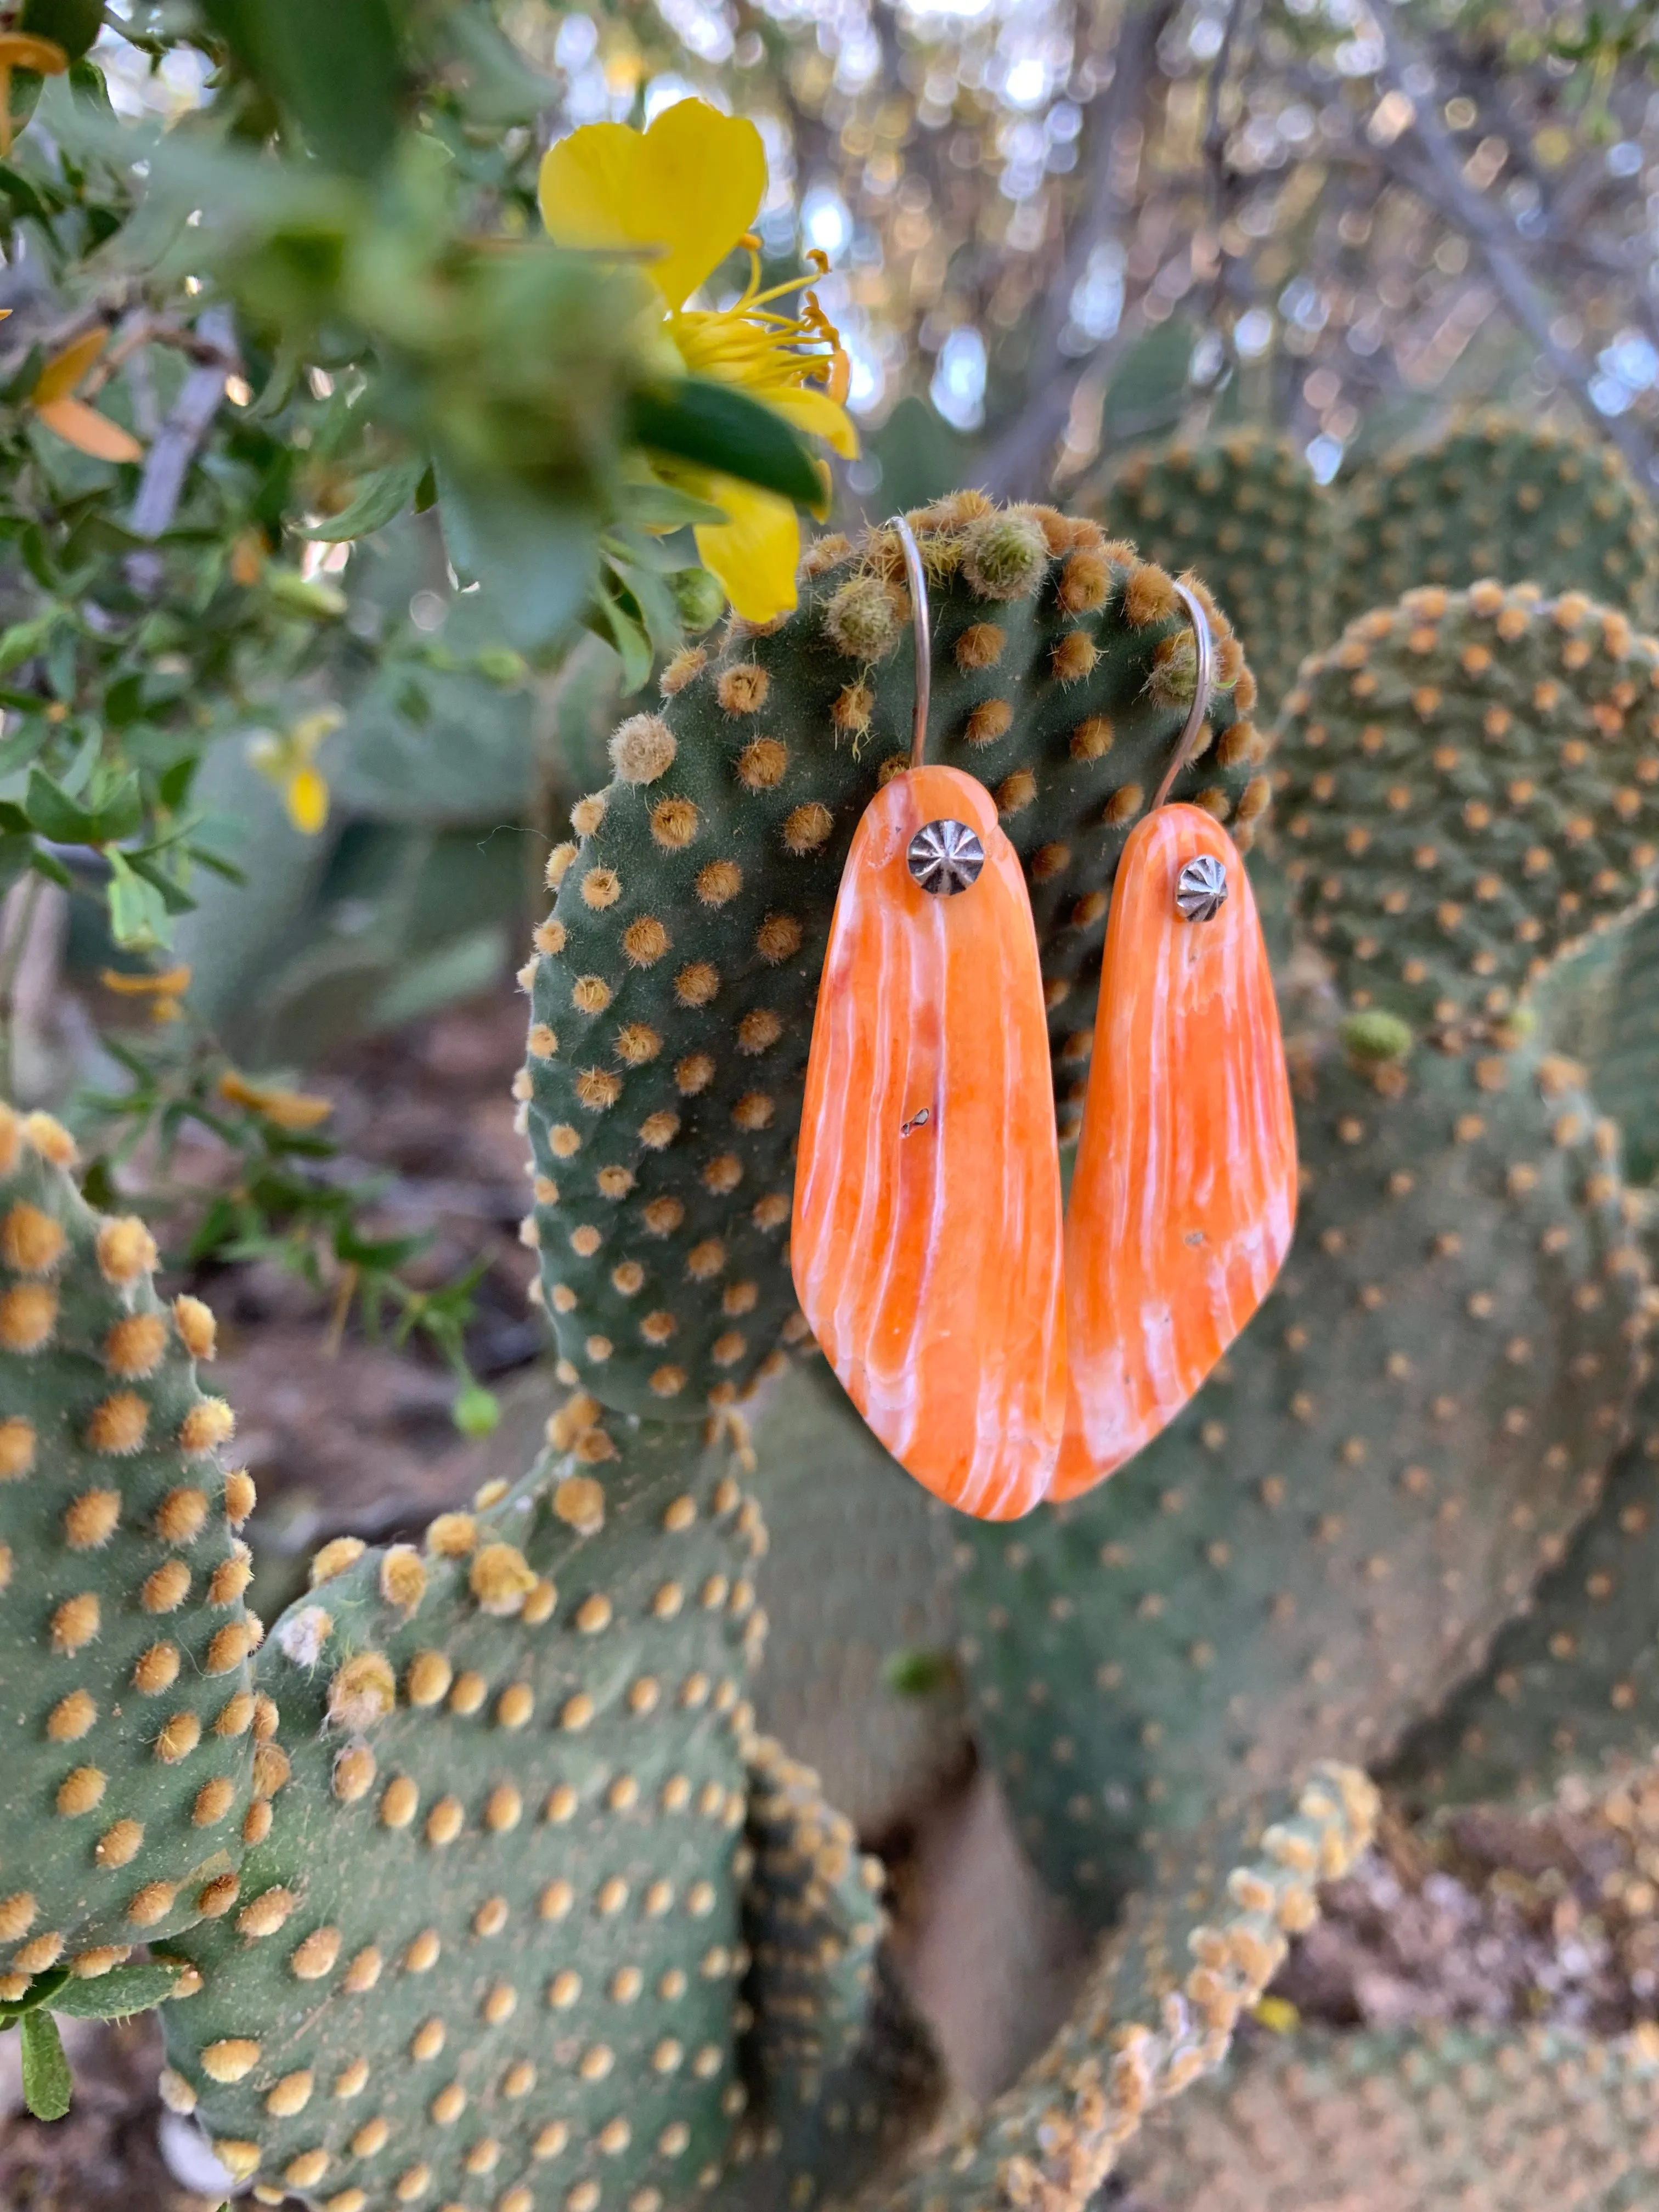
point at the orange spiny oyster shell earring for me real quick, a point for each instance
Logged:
(926, 1244)
(1184, 1197)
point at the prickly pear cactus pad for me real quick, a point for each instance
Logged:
(1574, 1684)
(126, 1789)
(674, 984)
(843, 2070)
(1301, 1564)
(1248, 515)
(1499, 497)
(487, 1956)
(859, 1676)
(1470, 783)
(1475, 2118)
(1159, 2010)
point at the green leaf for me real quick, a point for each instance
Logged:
(47, 2086)
(72, 24)
(382, 495)
(40, 1992)
(118, 1994)
(138, 916)
(55, 814)
(49, 866)
(337, 69)
(631, 640)
(22, 640)
(718, 426)
(174, 897)
(535, 559)
(656, 506)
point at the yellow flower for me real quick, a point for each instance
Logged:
(685, 193)
(293, 1110)
(163, 991)
(289, 763)
(71, 418)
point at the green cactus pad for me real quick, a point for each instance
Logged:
(1498, 497)
(1574, 1685)
(1603, 1008)
(844, 2071)
(674, 992)
(125, 1640)
(1301, 1565)
(1248, 515)
(488, 1954)
(1158, 2012)
(1470, 784)
(1478, 2119)
(859, 1676)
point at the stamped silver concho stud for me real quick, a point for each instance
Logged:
(1200, 889)
(945, 857)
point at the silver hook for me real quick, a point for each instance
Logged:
(920, 621)
(1201, 691)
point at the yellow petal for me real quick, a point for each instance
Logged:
(755, 552)
(22, 50)
(307, 793)
(64, 370)
(810, 408)
(692, 184)
(290, 1110)
(94, 434)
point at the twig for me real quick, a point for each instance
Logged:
(1019, 462)
(1449, 192)
(186, 426)
(15, 944)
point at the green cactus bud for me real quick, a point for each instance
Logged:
(1374, 1036)
(699, 597)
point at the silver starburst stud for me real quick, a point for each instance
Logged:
(945, 857)
(1202, 889)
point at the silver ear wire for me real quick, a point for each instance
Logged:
(1202, 688)
(921, 624)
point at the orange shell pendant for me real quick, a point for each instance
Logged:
(1184, 1197)
(926, 1241)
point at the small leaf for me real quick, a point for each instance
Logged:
(335, 69)
(718, 426)
(55, 814)
(47, 2085)
(118, 1994)
(382, 495)
(534, 558)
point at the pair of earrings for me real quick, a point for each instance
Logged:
(1001, 1355)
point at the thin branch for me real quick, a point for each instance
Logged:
(1019, 463)
(1449, 192)
(170, 457)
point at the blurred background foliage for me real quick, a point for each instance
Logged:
(331, 530)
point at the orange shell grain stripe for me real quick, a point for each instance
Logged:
(1184, 1198)
(929, 1265)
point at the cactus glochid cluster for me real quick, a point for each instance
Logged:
(480, 1881)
